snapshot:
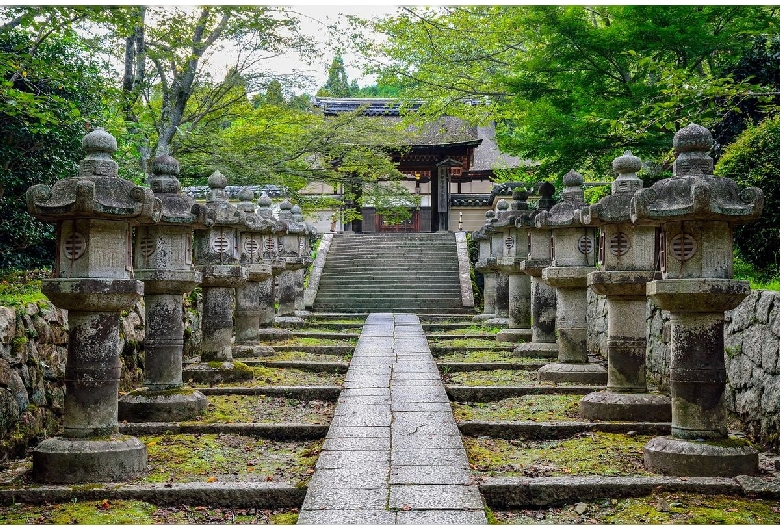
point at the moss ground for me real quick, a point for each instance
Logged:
(228, 457)
(659, 508)
(540, 407)
(305, 356)
(463, 343)
(492, 378)
(264, 376)
(136, 512)
(310, 341)
(587, 454)
(266, 409)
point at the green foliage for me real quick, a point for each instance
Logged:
(51, 93)
(337, 85)
(572, 86)
(754, 160)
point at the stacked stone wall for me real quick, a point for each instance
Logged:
(33, 350)
(752, 349)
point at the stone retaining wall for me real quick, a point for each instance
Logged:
(752, 339)
(33, 350)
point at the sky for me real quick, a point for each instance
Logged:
(315, 18)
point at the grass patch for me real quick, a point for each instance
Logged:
(586, 454)
(540, 407)
(137, 512)
(659, 508)
(21, 287)
(470, 330)
(228, 457)
(463, 343)
(491, 378)
(310, 341)
(481, 356)
(293, 355)
(266, 409)
(264, 376)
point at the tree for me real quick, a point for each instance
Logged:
(754, 160)
(167, 56)
(283, 145)
(572, 86)
(51, 93)
(337, 85)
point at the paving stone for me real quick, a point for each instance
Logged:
(352, 459)
(358, 432)
(356, 444)
(441, 457)
(416, 406)
(393, 434)
(427, 367)
(345, 499)
(422, 418)
(339, 517)
(365, 477)
(450, 429)
(431, 475)
(435, 497)
(426, 441)
(429, 517)
(363, 420)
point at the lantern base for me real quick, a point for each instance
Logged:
(615, 406)
(69, 461)
(513, 335)
(217, 372)
(175, 404)
(582, 373)
(545, 350)
(725, 457)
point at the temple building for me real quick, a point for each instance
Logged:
(448, 164)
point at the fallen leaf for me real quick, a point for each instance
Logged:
(406, 507)
(211, 479)
(104, 504)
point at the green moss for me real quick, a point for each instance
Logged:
(464, 343)
(266, 409)
(84, 512)
(692, 509)
(729, 443)
(732, 351)
(183, 391)
(227, 457)
(540, 407)
(285, 518)
(589, 454)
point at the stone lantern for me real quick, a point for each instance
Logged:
(271, 256)
(510, 263)
(537, 244)
(248, 295)
(696, 212)
(573, 256)
(163, 261)
(217, 257)
(487, 265)
(496, 235)
(290, 250)
(305, 253)
(94, 213)
(627, 262)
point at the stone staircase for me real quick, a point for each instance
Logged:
(407, 273)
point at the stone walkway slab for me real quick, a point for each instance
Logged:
(393, 453)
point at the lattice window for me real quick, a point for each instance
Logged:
(74, 246)
(683, 247)
(619, 244)
(585, 245)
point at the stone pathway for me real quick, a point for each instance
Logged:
(393, 454)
